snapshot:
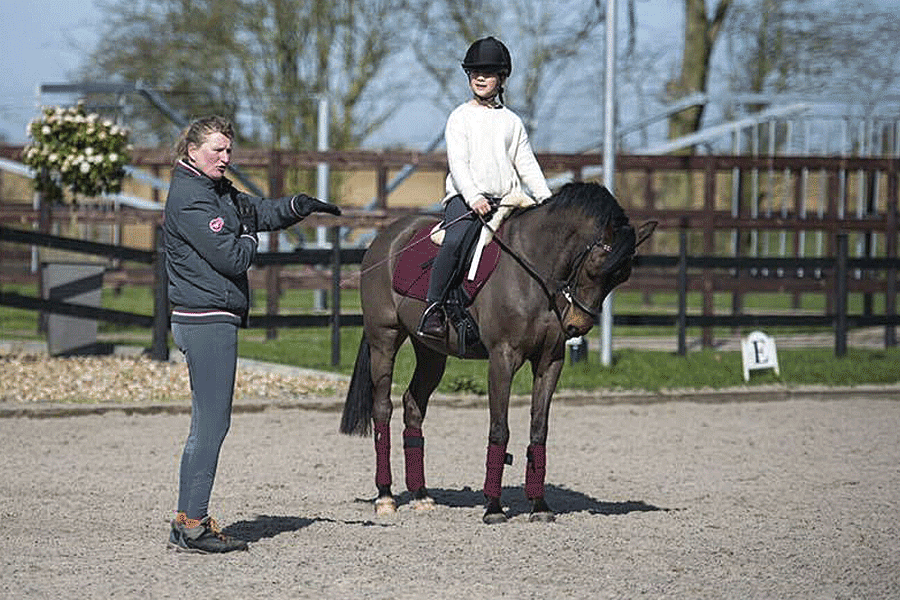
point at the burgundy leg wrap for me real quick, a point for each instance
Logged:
(382, 453)
(535, 471)
(493, 476)
(414, 453)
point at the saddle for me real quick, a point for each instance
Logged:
(413, 271)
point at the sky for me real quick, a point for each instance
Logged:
(44, 41)
(39, 43)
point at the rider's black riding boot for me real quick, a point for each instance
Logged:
(434, 321)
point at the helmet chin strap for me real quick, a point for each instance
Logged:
(491, 102)
(495, 100)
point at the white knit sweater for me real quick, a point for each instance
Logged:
(489, 155)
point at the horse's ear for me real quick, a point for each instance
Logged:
(644, 231)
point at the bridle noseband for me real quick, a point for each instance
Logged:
(568, 289)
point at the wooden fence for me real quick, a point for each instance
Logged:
(837, 270)
(774, 216)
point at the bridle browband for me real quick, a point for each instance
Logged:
(567, 290)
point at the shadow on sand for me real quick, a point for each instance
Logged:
(267, 526)
(560, 499)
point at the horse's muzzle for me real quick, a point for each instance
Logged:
(577, 323)
(573, 332)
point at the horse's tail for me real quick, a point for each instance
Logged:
(357, 417)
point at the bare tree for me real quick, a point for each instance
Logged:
(152, 42)
(812, 48)
(763, 45)
(262, 62)
(700, 34)
(809, 46)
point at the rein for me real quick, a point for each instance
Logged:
(568, 289)
(409, 245)
(551, 297)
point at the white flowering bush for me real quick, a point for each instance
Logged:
(78, 152)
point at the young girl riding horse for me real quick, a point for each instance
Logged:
(490, 157)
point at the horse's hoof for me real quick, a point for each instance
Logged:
(541, 512)
(385, 505)
(424, 503)
(542, 517)
(494, 518)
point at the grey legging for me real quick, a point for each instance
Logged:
(211, 353)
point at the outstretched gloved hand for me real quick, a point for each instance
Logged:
(247, 213)
(306, 205)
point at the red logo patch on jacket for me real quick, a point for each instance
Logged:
(217, 224)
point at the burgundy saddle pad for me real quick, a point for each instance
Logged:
(414, 266)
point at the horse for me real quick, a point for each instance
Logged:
(559, 260)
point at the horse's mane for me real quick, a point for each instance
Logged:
(591, 198)
(596, 202)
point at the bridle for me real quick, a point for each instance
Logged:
(569, 288)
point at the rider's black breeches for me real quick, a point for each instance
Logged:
(446, 264)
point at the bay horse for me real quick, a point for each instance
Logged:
(559, 260)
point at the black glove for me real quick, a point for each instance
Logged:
(247, 213)
(306, 205)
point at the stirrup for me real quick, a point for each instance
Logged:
(427, 325)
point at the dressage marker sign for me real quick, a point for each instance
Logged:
(758, 352)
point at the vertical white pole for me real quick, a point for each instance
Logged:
(36, 199)
(322, 188)
(322, 172)
(609, 162)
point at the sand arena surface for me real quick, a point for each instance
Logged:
(786, 499)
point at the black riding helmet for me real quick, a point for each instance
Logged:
(489, 55)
